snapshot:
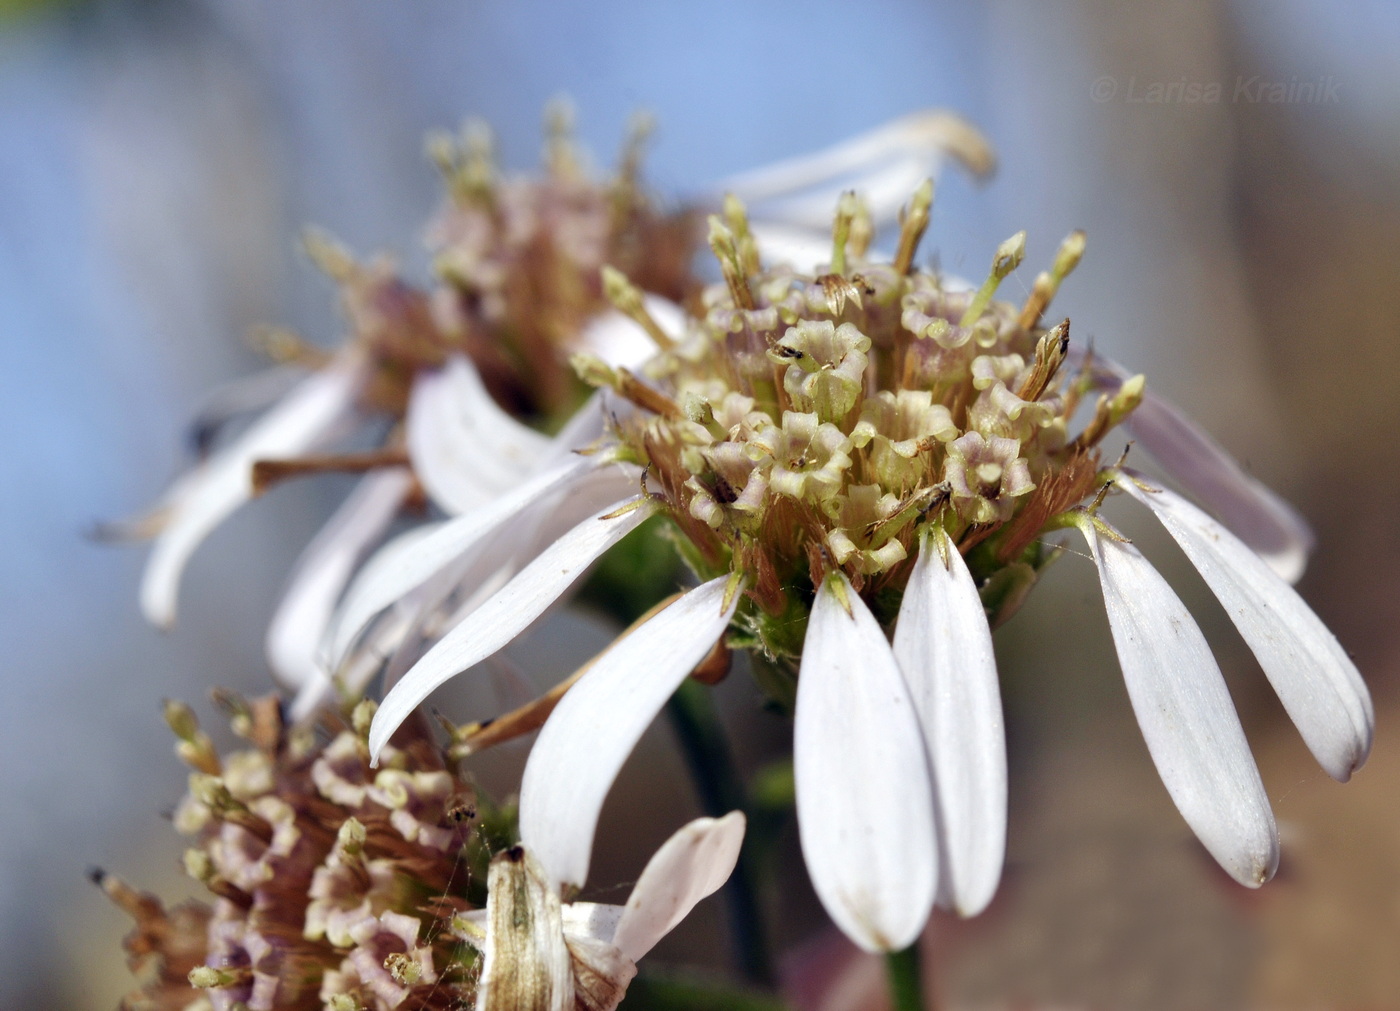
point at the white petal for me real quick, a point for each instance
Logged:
(690, 865)
(239, 397)
(311, 414)
(1201, 465)
(464, 448)
(294, 636)
(596, 921)
(884, 188)
(411, 565)
(499, 620)
(944, 649)
(803, 249)
(864, 802)
(597, 724)
(581, 430)
(1185, 713)
(620, 340)
(1314, 678)
(924, 138)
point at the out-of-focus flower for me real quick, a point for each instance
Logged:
(335, 884)
(543, 954)
(459, 377)
(870, 447)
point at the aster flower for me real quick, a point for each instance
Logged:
(333, 884)
(816, 522)
(460, 440)
(463, 377)
(541, 953)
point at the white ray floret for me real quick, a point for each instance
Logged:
(299, 624)
(381, 585)
(464, 448)
(1185, 711)
(944, 648)
(507, 613)
(1259, 517)
(1318, 684)
(310, 415)
(864, 805)
(596, 725)
(891, 160)
(622, 342)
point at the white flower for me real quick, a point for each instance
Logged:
(542, 954)
(467, 451)
(899, 749)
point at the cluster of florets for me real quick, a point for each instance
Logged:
(336, 885)
(518, 262)
(520, 258)
(809, 424)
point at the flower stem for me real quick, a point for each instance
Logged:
(653, 989)
(701, 736)
(906, 982)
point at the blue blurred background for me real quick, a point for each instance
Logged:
(158, 159)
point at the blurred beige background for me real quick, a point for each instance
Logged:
(157, 160)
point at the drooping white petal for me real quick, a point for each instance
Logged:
(579, 432)
(499, 620)
(864, 802)
(299, 624)
(412, 564)
(690, 865)
(1313, 676)
(594, 920)
(597, 724)
(1185, 713)
(465, 449)
(1201, 465)
(813, 182)
(620, 340)
(237, 398)
(944, 649)
(802, 249)
(311, 414)
(397, 637)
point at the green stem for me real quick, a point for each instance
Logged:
(691, 993)
(701, 736)
(906, 983)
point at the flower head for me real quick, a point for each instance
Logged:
(333, 884)
(878, 446)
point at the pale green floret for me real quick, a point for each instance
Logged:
(987, 370)
(862, 539)
(825, 367)
(999, 412)
(986, 476)
(898, 430)
(808, 457)
(739, 483)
